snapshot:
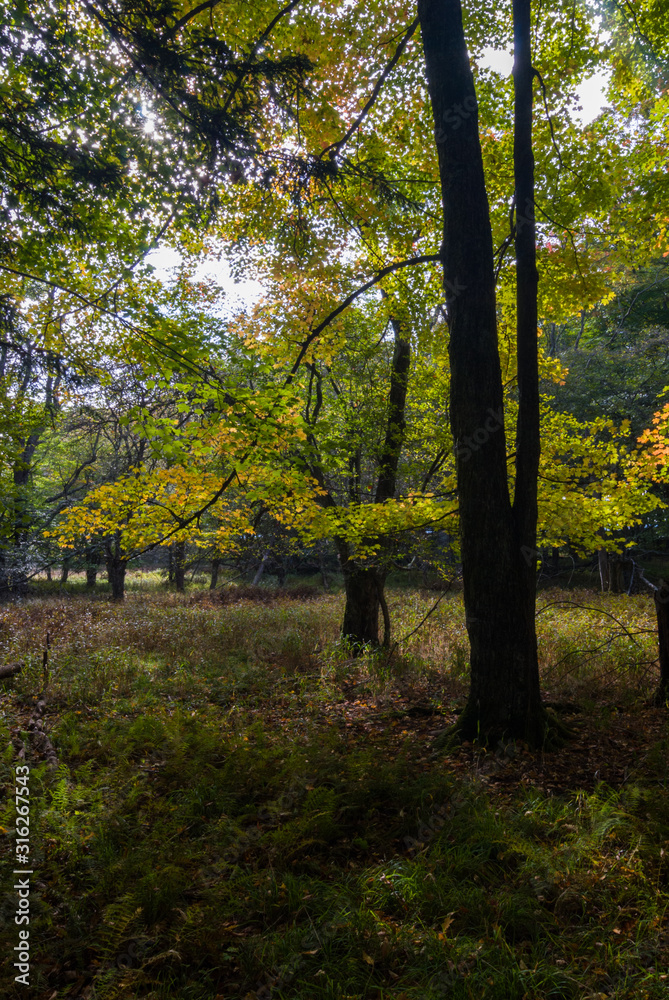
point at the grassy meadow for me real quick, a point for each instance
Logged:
(241, 811)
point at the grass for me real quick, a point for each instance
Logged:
(241, 811)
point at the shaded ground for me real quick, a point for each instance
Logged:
(241, 812)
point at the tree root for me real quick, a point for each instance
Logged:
(547, 732)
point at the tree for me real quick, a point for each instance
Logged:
(350, 212)
(504, 699)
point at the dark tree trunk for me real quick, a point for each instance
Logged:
(364, 585)
(116, 567)
(662, 610)
(611, 572)
(504, 699)
(364, 593)
(64, 570)
(215, 566)
(92, 563)
(396, 419)
(617, 574)
(180, 566)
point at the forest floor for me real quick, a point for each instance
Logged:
(240, 811)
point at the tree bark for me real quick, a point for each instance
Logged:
(180, 566)
(116, 567)
(364, 589)
(504, 698)
(661, 596)
(396, 418)
(65, 570)
(92, 563)
(215, 566)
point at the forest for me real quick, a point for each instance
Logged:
(334, 499)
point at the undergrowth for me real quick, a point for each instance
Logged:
(241, 810)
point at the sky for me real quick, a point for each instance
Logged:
(591, 93)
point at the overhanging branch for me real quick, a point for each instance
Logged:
(350, 299)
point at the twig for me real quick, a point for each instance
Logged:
(421, 622)
(585, 607)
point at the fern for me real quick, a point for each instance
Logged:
(118, 917)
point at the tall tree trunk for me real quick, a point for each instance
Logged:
(617, 574)
(215, 566)
(65, 570)
(16, 576)
(180, 566)
(364, 585)
(504, 699)
(661, 596)
(116, 567)
(396, 417)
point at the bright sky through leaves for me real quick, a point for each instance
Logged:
(591, 93)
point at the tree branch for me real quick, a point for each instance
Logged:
(336, 146)
(183, 21)
(343, 306)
